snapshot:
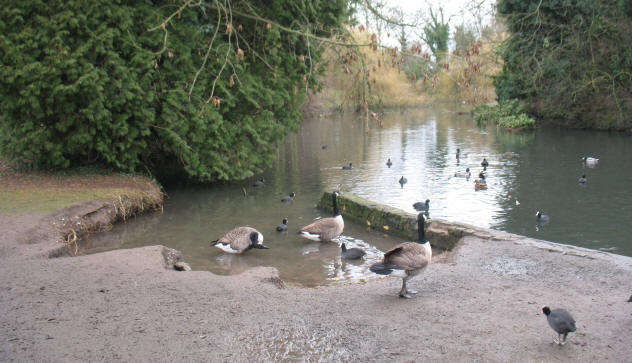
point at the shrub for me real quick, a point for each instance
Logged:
(86, 82)
(507, 114)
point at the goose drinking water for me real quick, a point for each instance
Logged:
(239, 240)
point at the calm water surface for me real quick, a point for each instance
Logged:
(541, 174)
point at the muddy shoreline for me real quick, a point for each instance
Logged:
(479, 302)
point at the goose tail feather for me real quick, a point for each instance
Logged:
(381, 268)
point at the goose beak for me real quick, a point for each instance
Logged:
(262, 247)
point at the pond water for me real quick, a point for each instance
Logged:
(540, 175)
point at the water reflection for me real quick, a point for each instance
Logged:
(527, 172)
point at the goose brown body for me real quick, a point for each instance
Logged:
(239, 240)
(407, 259)
(325, 229)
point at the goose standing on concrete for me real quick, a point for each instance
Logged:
(351, 253)
(407, 259)
(288, 198)
(561, 321)
(325, 229)
(239, 240)
(283, 226)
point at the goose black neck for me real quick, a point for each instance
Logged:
(421, 228)
(336, 211)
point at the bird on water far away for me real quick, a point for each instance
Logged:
(353, 253)
(258, 183)
(422, 206)
(403, 181)
(288, 198)
(541, 217)
(590, 160)
(283, 226)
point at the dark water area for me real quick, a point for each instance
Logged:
(541, 174)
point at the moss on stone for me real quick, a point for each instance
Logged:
(380, 217)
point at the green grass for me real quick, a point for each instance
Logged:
(50, 200)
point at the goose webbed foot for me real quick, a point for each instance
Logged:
(404, 292)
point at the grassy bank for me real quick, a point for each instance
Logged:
(37, 192)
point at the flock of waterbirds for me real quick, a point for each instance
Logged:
(405, 260)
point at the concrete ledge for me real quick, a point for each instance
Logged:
(444, 234)
(384, 218)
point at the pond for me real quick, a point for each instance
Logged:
(540, 174)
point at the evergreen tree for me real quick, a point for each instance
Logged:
(569, 60)
(206, 89)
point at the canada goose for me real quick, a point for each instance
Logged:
(583, 180)
(590, 160)
(239, 240)
(258, 183)
(463, 174)
(541, 217)
(389, 163)
(407, 259)
(460, 155)
(403, 181)
(561, 321)
(347, 167)
(421, 206)
(484, 163)
(325, 229)
(288, 198)
(351, 253)
(283, 226)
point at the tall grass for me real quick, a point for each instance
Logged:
(366, 74)
(384, 78)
